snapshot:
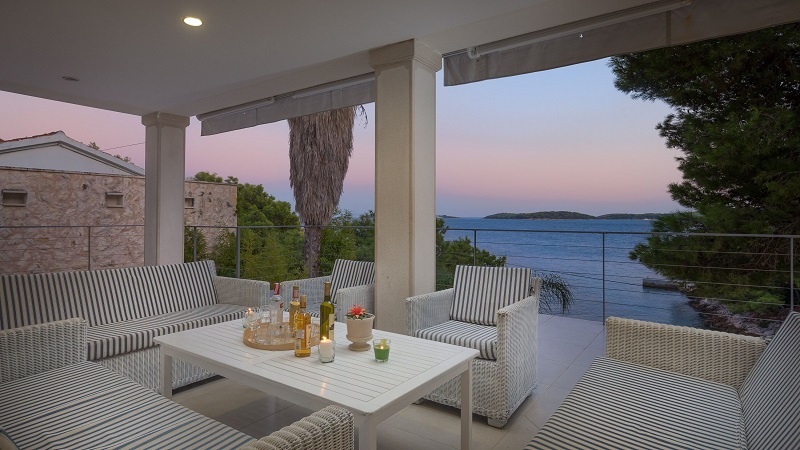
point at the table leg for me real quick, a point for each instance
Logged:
(166, 374)
(368, 436)
(466, 407)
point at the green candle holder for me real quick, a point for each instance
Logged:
(381, 348)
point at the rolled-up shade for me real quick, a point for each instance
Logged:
(351, 92)
(703, 19)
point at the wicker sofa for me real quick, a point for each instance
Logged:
(127, 308)
(52, 398)
(669, 387)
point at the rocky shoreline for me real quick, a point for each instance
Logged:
(719, 318)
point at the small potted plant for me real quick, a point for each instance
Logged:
(359, 328)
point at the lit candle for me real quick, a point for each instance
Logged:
(326, 351)
(381, 348)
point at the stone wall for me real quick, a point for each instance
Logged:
(214, 207)
(68, 224)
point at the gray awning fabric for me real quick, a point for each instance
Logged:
(351, 92)
(703, 19)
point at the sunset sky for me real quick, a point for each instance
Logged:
(564, 139)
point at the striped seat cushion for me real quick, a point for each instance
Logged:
(105, 296)
(124, 337)
(627, 406)
(771, 392)
(348, 273)
(480, 337)
(86, 406)
(478, 292)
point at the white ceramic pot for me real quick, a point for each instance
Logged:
(359, 332)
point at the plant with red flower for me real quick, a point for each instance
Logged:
(358, 312)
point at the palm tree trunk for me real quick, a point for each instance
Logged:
(311, 249)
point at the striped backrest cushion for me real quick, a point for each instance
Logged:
(105, 296)
(480, 291)
(348, 273)
(771, 392)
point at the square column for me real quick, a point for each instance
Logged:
(405, 177)
(165, 164)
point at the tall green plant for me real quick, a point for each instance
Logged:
(736, 120)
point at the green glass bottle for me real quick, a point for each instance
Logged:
(327, 317)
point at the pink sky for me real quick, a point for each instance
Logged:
(558, 140)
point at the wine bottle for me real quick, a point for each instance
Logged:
(327, 317)
(302, 325)
(276, 306)
(294, 306)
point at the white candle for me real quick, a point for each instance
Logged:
(248, 317)
(326, 348)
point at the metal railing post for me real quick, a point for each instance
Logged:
(238, 252)
(474, 247)
(194, 245)
(604, 277)
(89, 246)
(791, 274)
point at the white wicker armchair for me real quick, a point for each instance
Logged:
(494, 310)
(352, 283)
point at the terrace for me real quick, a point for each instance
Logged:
(260, 62)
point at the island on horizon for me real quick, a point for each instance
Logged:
(571, 215)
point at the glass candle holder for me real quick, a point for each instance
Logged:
(326, 350)
(381, 348)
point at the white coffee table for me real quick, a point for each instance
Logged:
(373, 391)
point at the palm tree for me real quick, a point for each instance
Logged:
(320, 146)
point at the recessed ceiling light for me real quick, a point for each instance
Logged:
(70, 79)
(192, 21)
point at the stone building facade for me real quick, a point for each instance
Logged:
(53, 220)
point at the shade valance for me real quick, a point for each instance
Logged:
(614, 34)
(350, 92)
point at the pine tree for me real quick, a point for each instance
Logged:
(736, 119)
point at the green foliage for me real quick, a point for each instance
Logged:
(460, 251)
(737, 123)
(555, 292)
(209, 177)
(189, 244)
(272, 254)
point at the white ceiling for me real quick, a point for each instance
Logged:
(137, 57)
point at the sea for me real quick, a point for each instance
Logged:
(591, 255)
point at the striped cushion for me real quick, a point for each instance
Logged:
(771, 392)
(105, 296)
(348, 273)
(123, 337)
(480, 337)
(84, 406)
(627, 406)
(480, 291)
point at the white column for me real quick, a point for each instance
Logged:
(165, 163)
(405, 177)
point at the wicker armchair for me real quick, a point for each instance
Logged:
(495, 311)
(352, 283)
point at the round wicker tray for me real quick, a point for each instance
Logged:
(286, 344)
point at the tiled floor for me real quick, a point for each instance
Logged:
(566, 348)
